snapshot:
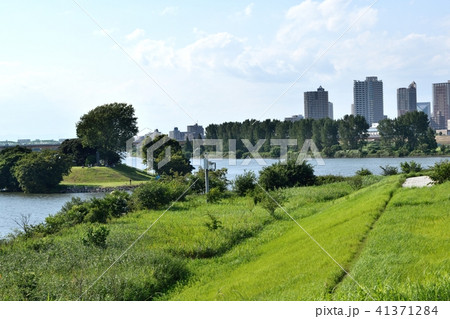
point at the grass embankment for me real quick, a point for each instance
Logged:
(105, 176)
(385, 236)
(407, 254)
(284, 263)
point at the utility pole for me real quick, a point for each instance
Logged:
(206, 166)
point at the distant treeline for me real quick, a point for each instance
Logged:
(347, 137)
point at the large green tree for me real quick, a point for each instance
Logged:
(410, 131)
(41, 172)
(178, 163)
(353, 131)
(107, 128)
(8, 160)
(79, 153)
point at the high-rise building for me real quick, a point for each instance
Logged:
(441, 104)
(407, 99)
(424, 107)
(330, 110)
(368, 99)
(316, 104)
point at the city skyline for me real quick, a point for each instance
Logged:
(213, 62)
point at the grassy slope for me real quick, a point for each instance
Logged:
(105, 176)
(291, 266)
(407, 254)
(253, 256)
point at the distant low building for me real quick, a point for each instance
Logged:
(193, 132)
(176, 134)
(373, 132)
(294, 118)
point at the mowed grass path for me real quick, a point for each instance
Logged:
(105, 176)
(407, 256)
(291, 266)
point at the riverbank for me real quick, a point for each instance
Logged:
(235, 250)
(103, 179)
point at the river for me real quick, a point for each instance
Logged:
(13, 205)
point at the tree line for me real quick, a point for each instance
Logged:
(346, 137)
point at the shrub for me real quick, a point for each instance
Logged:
(245, 183)
(213, 223)
(411, 167)
(288, 174)
(96, 236)
(363, 172)
(214, 195)
(117, 203)
(270, 201)
(329, 179)
(217, 179)
(356, 182)
(389, 170)
(441, 172)
(152, 195)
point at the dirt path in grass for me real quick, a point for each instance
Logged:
(362, 244)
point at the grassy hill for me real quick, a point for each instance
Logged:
(105, 176)
(393, 242)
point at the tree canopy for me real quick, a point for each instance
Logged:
(80, 154)
(41, 172)
(408, 132)
(8, 160)
(178, 163)
(107, 129)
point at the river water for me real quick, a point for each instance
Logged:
(13, 205)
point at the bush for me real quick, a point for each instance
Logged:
(95, 210)
(356, 182)
(214, 195)
(245, 183)
(152, 195)
(441, 172)
(411, 167)
(96, 236)
(329, 179)
(213, 223)
(389, 170)
(363, 172)
(156, 194)
(288, 174)
(217, 179)
(270, 201)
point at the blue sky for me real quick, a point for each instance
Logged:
(216, 60)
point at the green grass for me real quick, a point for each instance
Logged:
(407, 255)
(288, 265)
(393, 241)
(105, 176)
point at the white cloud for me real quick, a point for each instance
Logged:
(311, 17)
(136, 34)
(247, 12)
(169, 11)
(153, 53)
